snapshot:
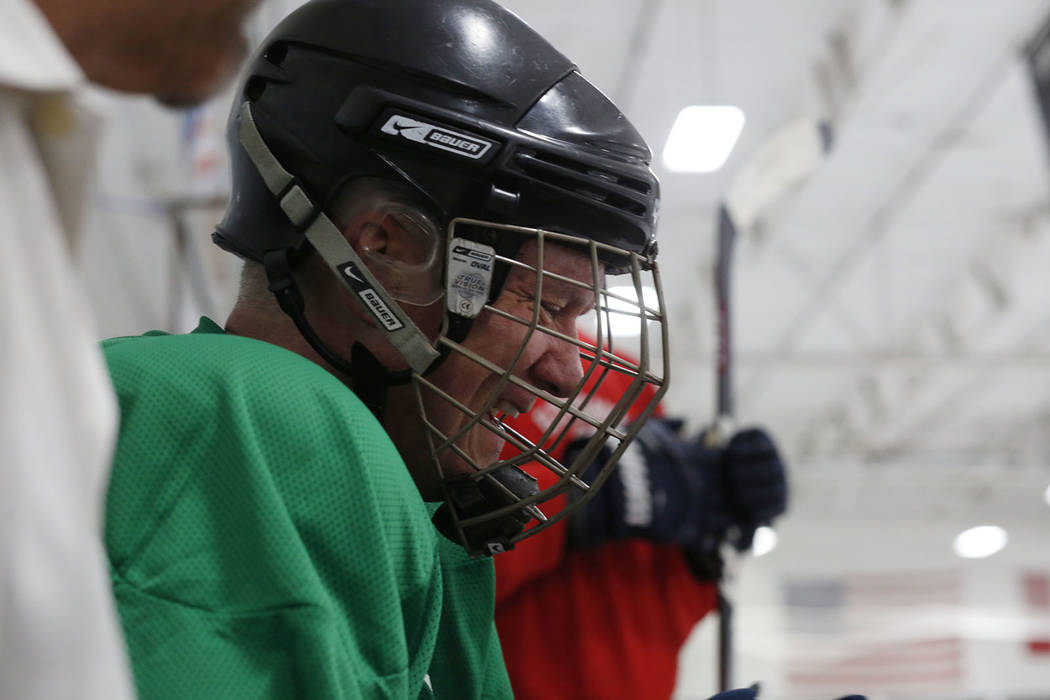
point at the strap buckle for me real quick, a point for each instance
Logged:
(297, 205)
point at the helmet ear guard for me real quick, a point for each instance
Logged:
(404, 250)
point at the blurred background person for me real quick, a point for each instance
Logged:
(58, 632)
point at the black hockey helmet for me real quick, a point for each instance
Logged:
(460, 99)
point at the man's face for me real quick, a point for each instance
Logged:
(180, 51)
(547, 362)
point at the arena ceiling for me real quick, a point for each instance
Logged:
(891, 302)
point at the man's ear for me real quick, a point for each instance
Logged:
(402, 251)
(370, 232)
(393, 238)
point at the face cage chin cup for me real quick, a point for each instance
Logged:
(490, 510)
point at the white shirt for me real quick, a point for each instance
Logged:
(59, 634)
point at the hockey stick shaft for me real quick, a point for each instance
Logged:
(786, 159)
(726, 238)
(724, 404)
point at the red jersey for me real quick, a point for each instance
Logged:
(602, 623)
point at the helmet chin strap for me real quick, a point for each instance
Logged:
(370, 378)
(340, 256)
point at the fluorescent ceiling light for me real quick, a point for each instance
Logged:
(980, 542)
(702, 137)
(764, 542)
(1046, 495)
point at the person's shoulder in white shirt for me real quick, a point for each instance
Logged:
(59, 635)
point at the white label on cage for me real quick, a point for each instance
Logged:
(470, 266)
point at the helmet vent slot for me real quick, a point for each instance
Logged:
(583, 181)
(637, 185)
(276, 53)
(255, 87)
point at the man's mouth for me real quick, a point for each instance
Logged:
(504, 409)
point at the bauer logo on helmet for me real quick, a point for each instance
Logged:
(436, 137)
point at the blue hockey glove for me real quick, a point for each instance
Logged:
(658, 484)
(671, 489)
(754, 487)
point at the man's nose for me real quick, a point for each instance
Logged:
(559, 369)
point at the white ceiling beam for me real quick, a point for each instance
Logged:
(927, 387)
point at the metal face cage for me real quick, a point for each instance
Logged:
(493, 506)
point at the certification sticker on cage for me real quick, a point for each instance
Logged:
(470, 267)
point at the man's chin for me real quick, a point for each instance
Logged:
(177, 101)
(457, 467)
(199, 82)
(483, 449)
(190, 93)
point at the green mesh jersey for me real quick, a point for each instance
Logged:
(266, 540)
